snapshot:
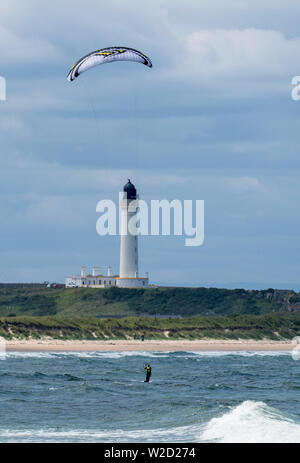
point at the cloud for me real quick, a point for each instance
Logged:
(20, 49)
(217, 54)
(245, 184)
(11, 124)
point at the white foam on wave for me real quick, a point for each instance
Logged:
(87, 354)
(148, 354)
(252, 422)
(117, 354)
(24, 354)
(174, 434)
(243, 353)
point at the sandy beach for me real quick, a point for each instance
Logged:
(132, 345)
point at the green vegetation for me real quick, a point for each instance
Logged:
(37, 312)
(37, 300)
(271, 326)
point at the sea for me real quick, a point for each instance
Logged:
(192, 397)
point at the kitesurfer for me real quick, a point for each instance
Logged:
(148, 373)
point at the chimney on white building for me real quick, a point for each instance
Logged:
(83, 271)
(96, 271)
(109, 271)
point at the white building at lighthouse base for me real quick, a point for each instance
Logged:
(97, 280)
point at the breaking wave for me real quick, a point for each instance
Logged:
(149, 354)
(252, 422)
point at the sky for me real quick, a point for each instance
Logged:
(213, 120)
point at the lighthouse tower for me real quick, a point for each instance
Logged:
(129, 270)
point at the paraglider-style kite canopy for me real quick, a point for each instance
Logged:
(107, 55)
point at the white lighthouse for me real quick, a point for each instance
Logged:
(129, 268)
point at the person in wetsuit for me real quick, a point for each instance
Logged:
(148, 373)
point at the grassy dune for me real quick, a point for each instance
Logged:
(271, 326)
